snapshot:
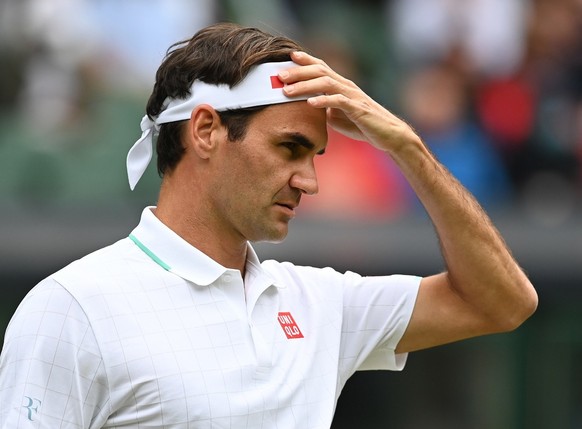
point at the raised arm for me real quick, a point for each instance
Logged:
(483, 289)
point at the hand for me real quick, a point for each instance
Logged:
(349, 110)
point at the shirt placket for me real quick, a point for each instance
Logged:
(261, 306)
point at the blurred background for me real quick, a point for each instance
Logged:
(494, 87)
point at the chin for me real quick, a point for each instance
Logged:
(273, 240)
(273, 236)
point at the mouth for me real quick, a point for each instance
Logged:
(288, 208)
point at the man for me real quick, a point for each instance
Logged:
(179, 325)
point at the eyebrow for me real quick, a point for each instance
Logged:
(302, 140)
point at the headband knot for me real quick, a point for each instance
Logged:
(147, 124)
(140, 154)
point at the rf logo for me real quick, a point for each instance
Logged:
(32, 405)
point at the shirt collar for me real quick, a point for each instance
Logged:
(176, 255)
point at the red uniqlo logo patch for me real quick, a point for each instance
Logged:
(276, 82)
(289, 326)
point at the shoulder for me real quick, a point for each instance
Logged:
(106, 270)
(44, 304)
(51, 316)
(289, 272)
(109, 280)
(354, 288)
(100, 261)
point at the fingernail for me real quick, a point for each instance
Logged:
(284, 74)
(289, 89)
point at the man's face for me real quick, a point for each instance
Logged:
(261, 178)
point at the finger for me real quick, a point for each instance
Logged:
(305, 73)
(335, 101)
(317, 84)
(303, 58)
(310, 68)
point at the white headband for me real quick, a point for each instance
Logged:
(260, 87)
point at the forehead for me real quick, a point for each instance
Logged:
(293, 118)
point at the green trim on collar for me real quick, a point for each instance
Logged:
(149, 253)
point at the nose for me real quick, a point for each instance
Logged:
(305, 180)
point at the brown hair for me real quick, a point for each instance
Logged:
(219, 54)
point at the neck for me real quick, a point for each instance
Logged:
(198, 227)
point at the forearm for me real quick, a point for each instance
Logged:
(480, 267)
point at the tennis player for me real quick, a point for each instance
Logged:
(180, 325)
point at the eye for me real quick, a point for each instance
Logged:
(293, 147)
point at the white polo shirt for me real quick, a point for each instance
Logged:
(150, 332)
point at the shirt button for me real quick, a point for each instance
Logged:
(227, 277)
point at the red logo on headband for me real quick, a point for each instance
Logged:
(276, 82)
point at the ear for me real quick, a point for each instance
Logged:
(204, 130)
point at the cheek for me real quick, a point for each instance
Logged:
(258, 175)
(243, 188)
(255, 172)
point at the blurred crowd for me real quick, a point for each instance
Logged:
(494, 87)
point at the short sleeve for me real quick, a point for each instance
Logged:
(376, 313)
(51, 370)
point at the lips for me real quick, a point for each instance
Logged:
(290, 206)
(288, 202)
